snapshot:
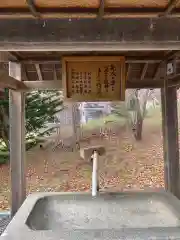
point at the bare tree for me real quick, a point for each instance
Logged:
(136, 103)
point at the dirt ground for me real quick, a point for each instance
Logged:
(127, 165)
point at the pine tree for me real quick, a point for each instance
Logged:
(41, 107)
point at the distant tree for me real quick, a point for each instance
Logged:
(76, 121)
(41, 107)
(119, 109)
(134, 109)
(136, 104)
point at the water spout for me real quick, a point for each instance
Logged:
(95, 186)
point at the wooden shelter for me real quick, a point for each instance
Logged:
(36, 34)
(90, 9)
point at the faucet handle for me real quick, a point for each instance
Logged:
(88, 152)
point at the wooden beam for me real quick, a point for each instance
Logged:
(144, 70)
(128, 71)
(17, 144)
(157, 71)
(101, 9)
(42, 85)
(172, 4)
(32, 8)
(110, 35)
(7, 56)
(38, 70)
(91, 46)
(24, 72)
(80, 12)
(170, 136)
(132, 59)
(44, 59)
(57, 60)
(57, 85)
(131, 83)
(16, 55)
(172, 55)
(55, 73)
(7, 81)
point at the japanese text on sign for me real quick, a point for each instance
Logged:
(81, 82)
(95, 80)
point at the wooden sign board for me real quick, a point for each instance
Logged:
(94, 78)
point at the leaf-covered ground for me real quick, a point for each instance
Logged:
(127, 165)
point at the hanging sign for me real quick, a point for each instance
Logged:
(171, 68)
(15, 70)
(94, 78)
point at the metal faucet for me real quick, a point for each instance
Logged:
(95, 182)
(92, 154)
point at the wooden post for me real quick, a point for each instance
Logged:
(17, 142)
(75, 122)
(170, 139)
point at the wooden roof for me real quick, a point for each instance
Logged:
(85, 3)
(84, 8)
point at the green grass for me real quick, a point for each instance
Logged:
(4, 157)
(96, 123)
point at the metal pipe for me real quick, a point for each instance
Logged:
(95, 174)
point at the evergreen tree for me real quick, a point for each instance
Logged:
(40, 109)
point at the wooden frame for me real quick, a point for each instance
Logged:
(108, 35)
(170, 139)
(82, 10)
(42, 85)
(91, 59)
(17, 141)
(8, 81)
(17, 130)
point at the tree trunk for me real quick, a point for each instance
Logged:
(145, 103)
(139, 127)
(140, 114)
(138, 121)
(76, 121)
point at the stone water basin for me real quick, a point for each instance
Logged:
(131, 215)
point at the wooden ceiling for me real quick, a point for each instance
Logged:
(143, 69)
(86, 3)
(86, 8)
